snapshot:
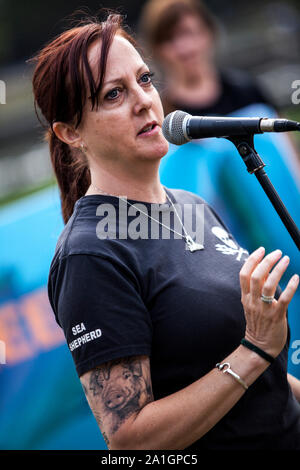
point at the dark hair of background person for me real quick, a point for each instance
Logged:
(61, 80)
(159, 17)
(230, 89)
(157, 25)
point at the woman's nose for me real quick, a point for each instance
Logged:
(142, 100)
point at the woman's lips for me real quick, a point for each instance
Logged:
(150, 132)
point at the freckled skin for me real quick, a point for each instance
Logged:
(110, 132)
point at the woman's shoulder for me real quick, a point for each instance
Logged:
(187, 197)
(183, 196)
(79, 236)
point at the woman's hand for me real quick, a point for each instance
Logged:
(266, 324)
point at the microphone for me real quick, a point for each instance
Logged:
(180, 127)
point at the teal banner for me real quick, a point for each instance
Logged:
(42, 404)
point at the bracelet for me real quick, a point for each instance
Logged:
(225, 368)
(258, 351)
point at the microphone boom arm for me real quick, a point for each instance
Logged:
(254, 164)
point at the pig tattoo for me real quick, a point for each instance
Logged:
(121, 389)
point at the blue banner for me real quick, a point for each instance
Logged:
(42, 404)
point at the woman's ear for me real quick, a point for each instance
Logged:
(67, 134)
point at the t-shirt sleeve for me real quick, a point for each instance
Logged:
(98, 304)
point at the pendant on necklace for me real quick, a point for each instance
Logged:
(193, 246)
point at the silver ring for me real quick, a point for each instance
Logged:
(268, 299)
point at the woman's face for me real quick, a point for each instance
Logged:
(128, 104)
(190, 45)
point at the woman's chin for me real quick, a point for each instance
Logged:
(156, 150)
(161, 150)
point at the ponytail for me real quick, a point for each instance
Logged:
(62, 81)
(72, 173)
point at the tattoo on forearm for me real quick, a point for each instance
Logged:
(84, 388)
(117, 390)
(105, 438)
(98, 417)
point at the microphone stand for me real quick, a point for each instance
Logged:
(254, 164)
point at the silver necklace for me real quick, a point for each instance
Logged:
(191, 244)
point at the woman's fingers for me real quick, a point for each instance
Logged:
(261, 272)
(265, 323)
(287, 295)
(269, 287)
(255, 276)
(248, 267)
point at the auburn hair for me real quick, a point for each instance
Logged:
(61, 76)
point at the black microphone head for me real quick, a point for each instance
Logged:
(173, 128)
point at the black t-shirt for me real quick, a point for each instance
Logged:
(123, 295)
(238, 90)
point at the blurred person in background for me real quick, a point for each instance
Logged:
(181, 37)
(145, 325)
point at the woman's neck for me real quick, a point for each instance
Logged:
(144, 186)
(199, 87)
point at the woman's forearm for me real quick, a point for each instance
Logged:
(180, 419)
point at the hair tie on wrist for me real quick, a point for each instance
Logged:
(258, 351)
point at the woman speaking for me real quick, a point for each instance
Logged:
(179, 342)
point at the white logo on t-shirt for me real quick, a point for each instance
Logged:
(229, 247)
(85, 338)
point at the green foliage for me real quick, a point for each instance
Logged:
(16, 195)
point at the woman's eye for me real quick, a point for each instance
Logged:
(113, 94)
(147, 77)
